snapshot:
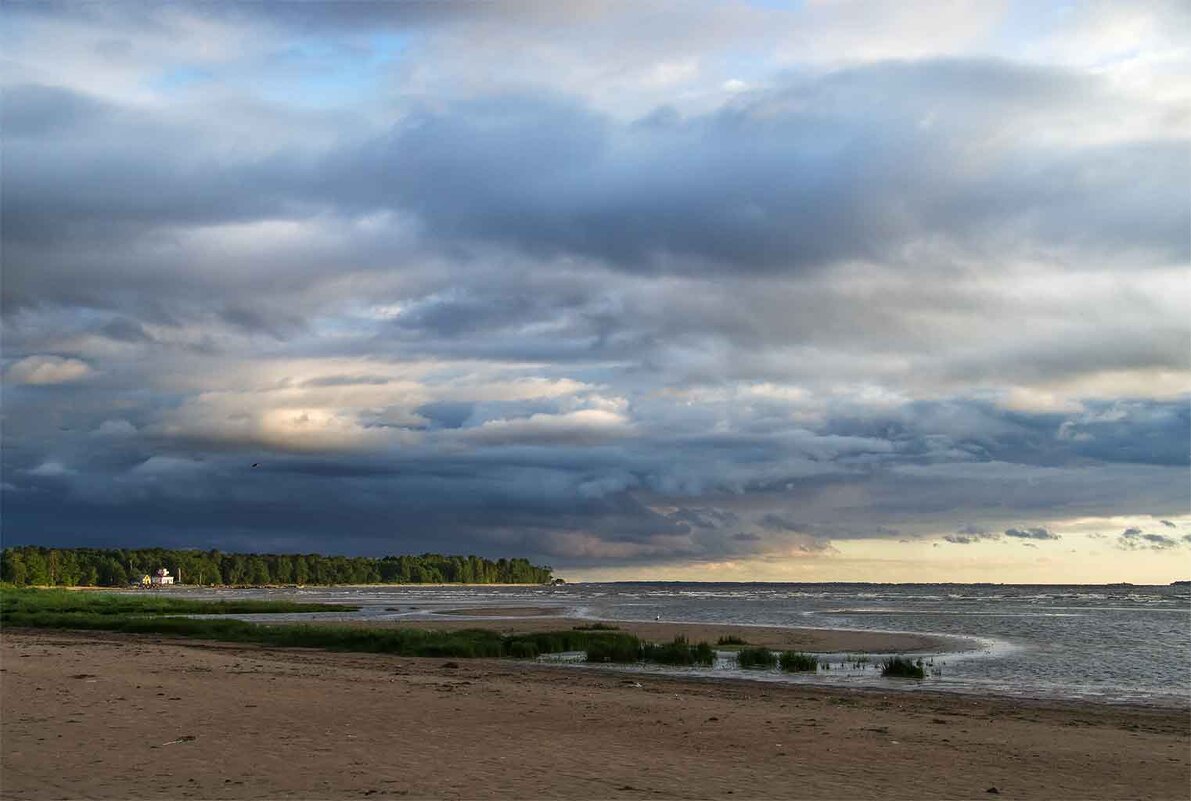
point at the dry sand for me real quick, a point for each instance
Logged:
(93, 715)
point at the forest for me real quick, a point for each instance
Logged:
(116, 567)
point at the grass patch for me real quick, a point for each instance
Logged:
(903, 667)
(679, 652)
(596, 627)
(555, 642)
(797, 662)
(756, 658)
(625, 650)
(25, 601)
(404, 642)
(730, 640)
(463, 644)
(137, 614)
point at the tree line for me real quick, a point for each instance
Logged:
(31, 565)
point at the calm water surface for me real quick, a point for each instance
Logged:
(1109, 643)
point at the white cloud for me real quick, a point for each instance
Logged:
(586, 426)
(48, 370)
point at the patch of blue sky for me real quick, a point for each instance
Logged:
(342, 327)
(180, 77)
(1024, 26)
(327, 74)
(388, 47)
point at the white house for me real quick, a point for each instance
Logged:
(162, 576)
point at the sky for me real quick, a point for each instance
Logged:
(818, 291)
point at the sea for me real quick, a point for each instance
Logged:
(1115, 643)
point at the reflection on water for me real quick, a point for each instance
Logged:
(1107, 643)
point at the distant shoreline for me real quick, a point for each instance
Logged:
(173, 587)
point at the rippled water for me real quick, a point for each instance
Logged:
(1112, 643)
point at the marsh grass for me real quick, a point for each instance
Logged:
(596, 627)
(756, 658)
(626, 650)
(555, 642)
(797, 662)
(25, 600)
(903, 667)
(679, 652)
(730, 640)
(58, 609)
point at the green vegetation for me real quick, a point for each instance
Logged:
(60, 609)
(555, 642)
(29, 601)
(162, 614)
(679, 652)
(730, 640)
(109, 567)
(796, 662)
(756, 658)
(903, 667)
(609, 649)
(403, 642)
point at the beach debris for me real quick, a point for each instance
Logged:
(993, 790)
(185, 738)
(450, 665)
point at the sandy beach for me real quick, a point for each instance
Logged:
(92, 715)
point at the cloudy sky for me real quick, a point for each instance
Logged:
(830, 290)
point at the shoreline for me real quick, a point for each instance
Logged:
(778, 638)
(118, 716)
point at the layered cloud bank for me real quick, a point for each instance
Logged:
(645, 289)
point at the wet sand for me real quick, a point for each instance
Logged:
(503, 611)
(100, 715)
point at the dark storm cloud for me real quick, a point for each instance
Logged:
(709, 518)
(775, 182)
(1135, 538)
(969, 534)
(814, 173)
(35, 111)
(1124, 431)
(1128, 431)
(1037, 533)
(504, 318)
